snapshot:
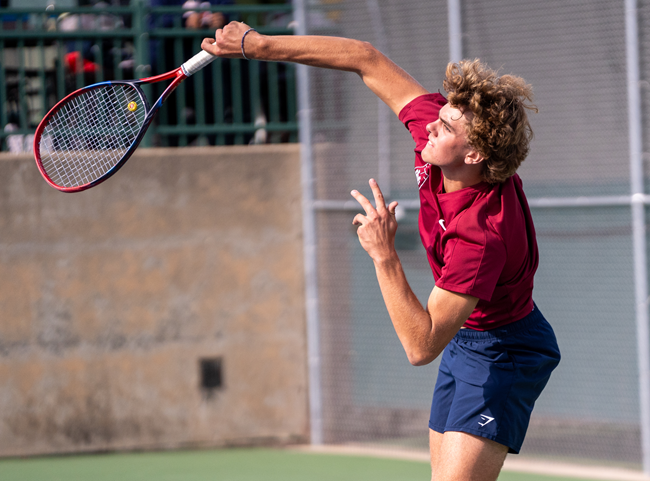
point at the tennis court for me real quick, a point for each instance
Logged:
(227, 464)
(209, 296)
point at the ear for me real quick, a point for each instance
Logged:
(473, 158)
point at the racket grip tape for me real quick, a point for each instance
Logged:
(197, 62)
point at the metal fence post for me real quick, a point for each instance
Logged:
(141, 37)
(141, 42)
(383, 111)
(454, 20)
(309, 238)
(638, 224)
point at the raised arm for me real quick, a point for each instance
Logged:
(388, 81)
(423, 332)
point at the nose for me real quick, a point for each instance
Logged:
(432, 128)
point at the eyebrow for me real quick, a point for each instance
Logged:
(447, 124)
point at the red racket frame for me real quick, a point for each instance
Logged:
(178, 75)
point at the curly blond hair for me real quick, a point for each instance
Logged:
(499, 130)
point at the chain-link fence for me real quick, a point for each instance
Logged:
(574, 55)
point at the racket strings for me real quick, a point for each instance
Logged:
(90, 134)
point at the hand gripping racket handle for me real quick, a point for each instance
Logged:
(197, 62)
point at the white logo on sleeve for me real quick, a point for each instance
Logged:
(422, 174)
(442, 224)
(486, 419)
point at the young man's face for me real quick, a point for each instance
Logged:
(447, 145)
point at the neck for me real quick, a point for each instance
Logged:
(452, 182)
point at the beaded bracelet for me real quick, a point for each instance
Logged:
(242, 42)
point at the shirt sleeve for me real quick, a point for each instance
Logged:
(418, 113)
(474, 258)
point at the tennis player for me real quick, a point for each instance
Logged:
(478, 232)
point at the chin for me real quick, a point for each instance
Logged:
(427, 155)
(428, 159)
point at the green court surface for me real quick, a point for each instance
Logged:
(224, 464)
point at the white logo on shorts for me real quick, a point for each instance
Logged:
(485, 418)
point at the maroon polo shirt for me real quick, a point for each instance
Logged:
(480, 240)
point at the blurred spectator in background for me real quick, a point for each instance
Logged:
(83, 56)
(164, 51)
(210, 20)
(191, 19)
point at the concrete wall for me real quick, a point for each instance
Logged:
(109, 298)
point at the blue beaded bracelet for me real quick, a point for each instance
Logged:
(242, 42)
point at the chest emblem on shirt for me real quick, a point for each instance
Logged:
(442, 224)
(422, 174)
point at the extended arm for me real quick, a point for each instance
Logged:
(388, 81)
(424, 333)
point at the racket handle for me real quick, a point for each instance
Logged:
(197, 62)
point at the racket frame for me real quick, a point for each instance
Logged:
(178, 75)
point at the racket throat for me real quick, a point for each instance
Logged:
(174, 74)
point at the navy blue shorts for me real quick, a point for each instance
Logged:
(488, 381)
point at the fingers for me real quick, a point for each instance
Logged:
(227, 41)
(380, 202)
(208, 45)
(359, 219)
(365, 203)
(379, 197)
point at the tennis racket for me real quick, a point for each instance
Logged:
(86, 137)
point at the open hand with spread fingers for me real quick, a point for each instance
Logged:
(377, 228)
